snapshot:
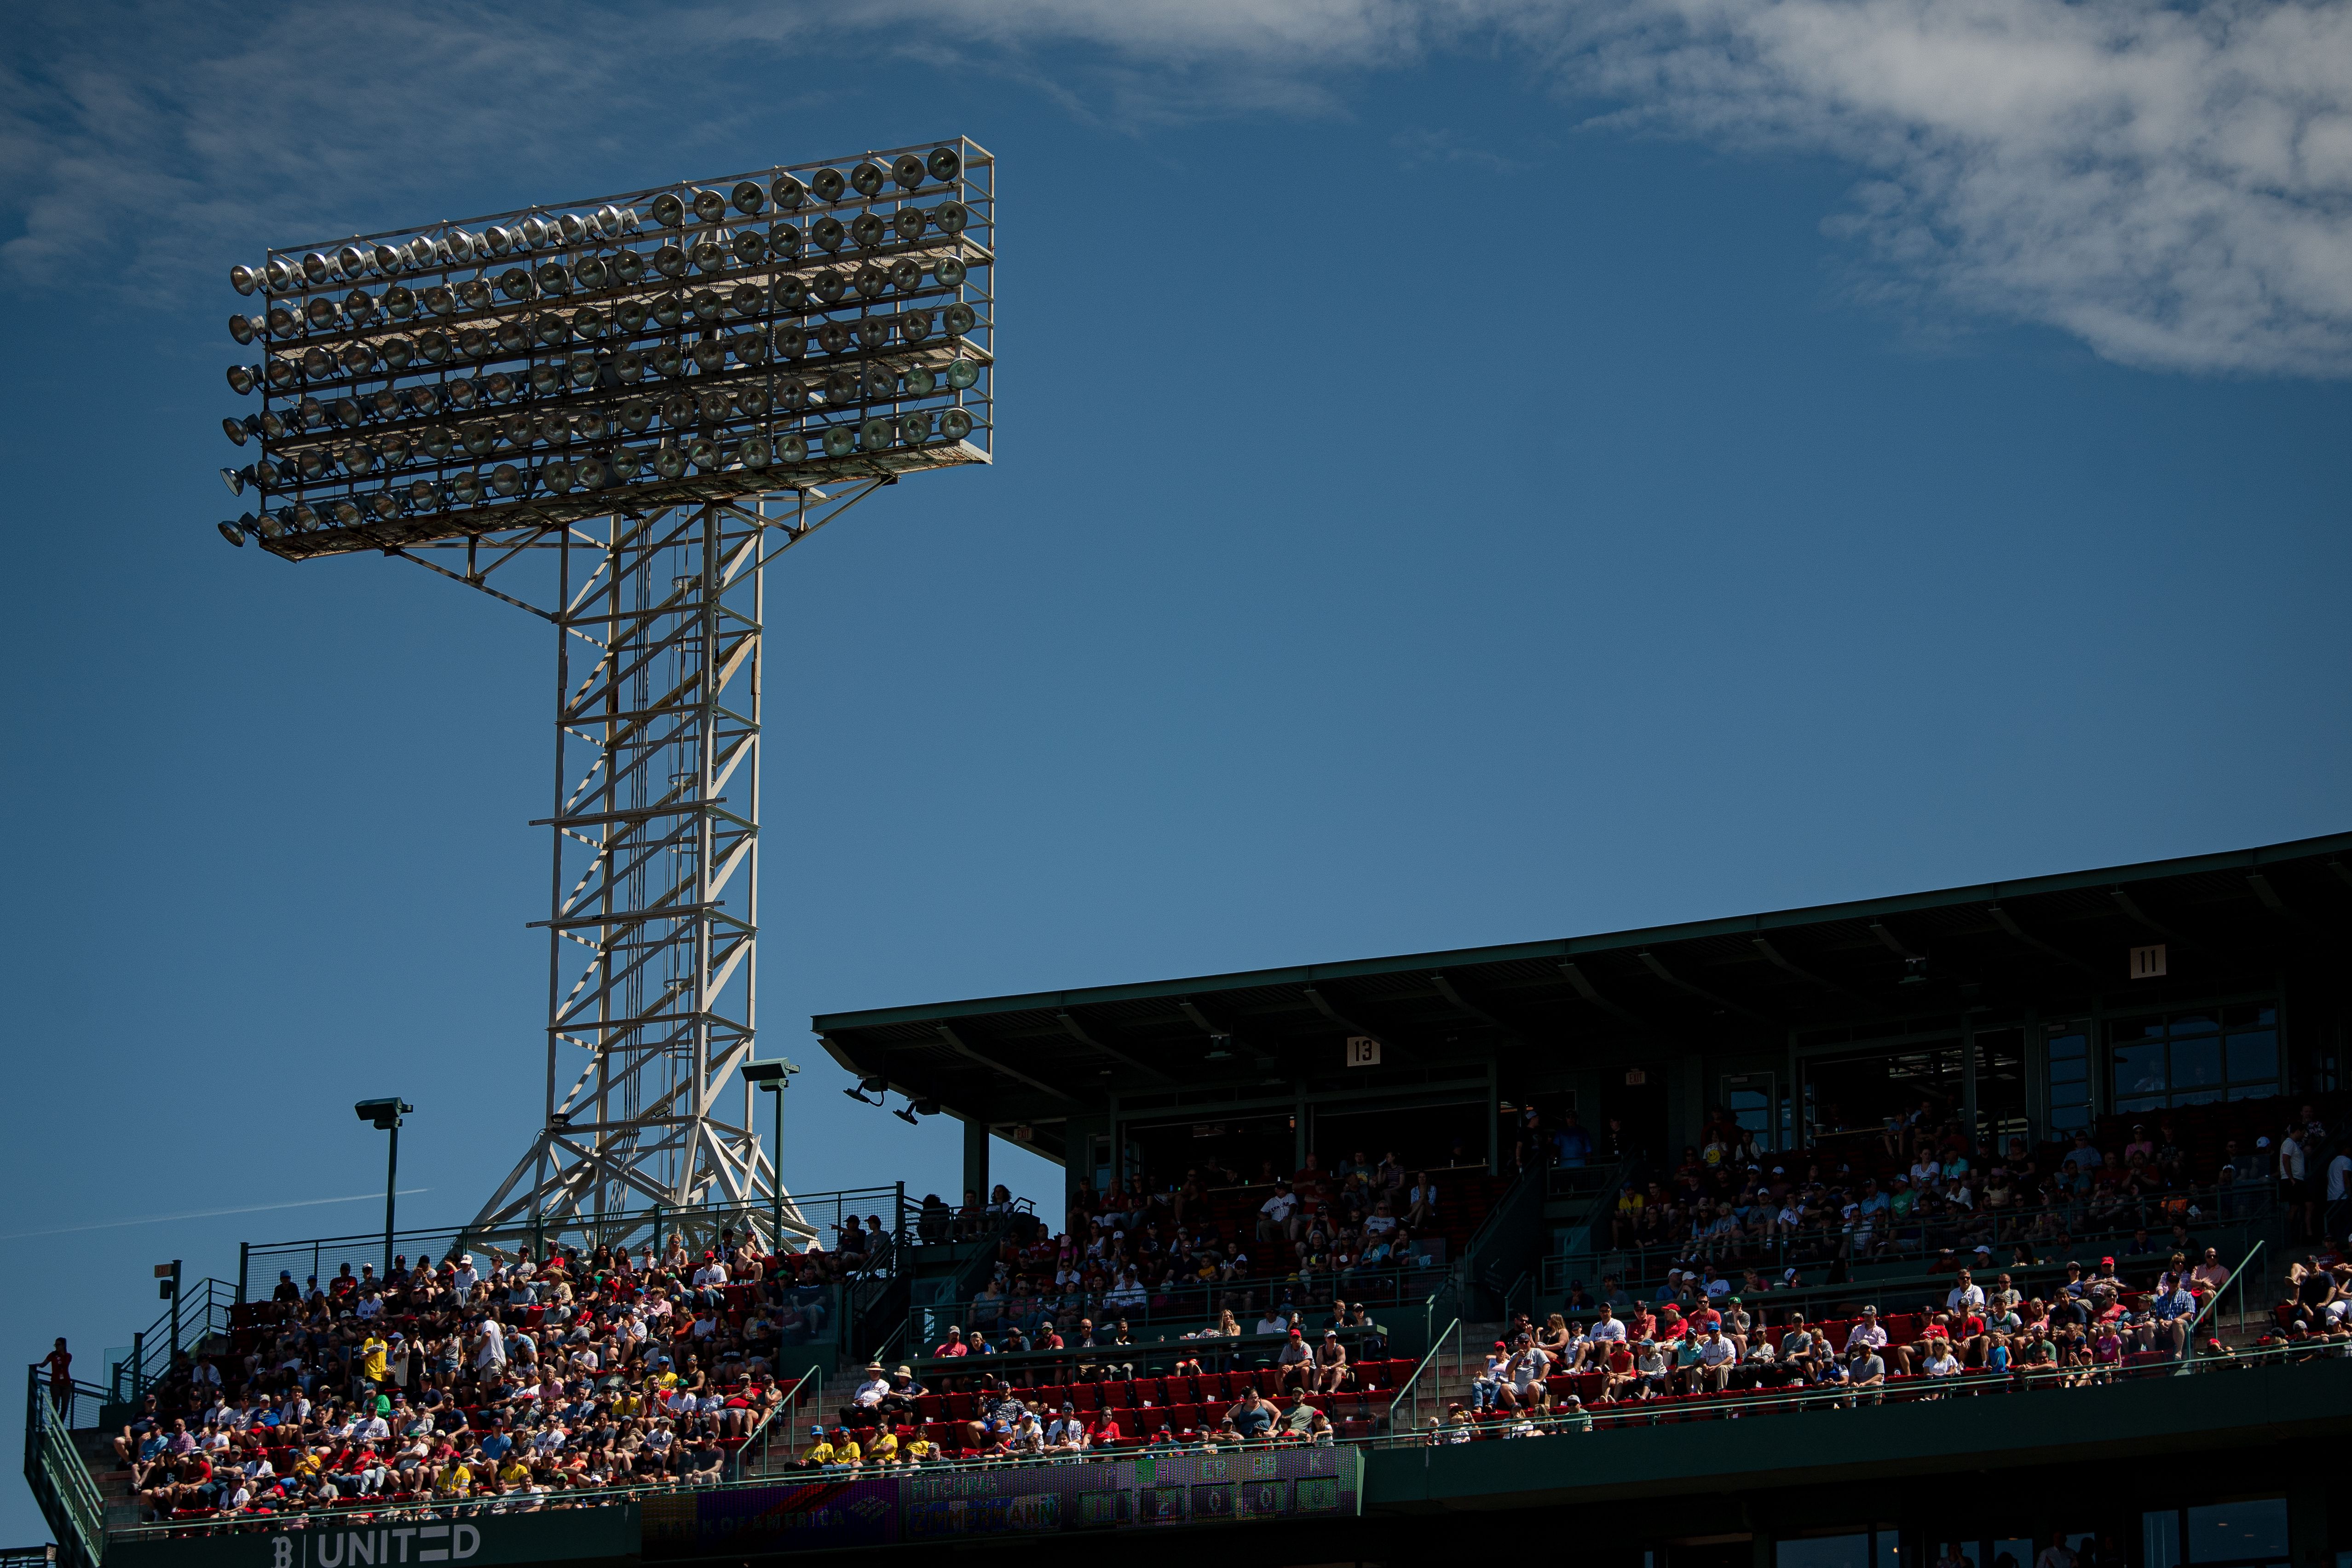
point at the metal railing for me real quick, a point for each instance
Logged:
(1411, 1386)
(2237, 1282)
(61, 1482)
(1734, 1404)
(1217, 1353)
(1507, 1240)
(201, 1311)
(1185, 1307)
(756, 1456)
(2004, 1231)
(812, 1219)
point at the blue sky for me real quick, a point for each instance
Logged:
(1467, 473)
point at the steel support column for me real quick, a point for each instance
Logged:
(653, 977)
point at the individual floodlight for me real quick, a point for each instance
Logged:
(233, 533)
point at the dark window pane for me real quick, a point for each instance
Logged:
(2252, 1090)
(2139, 1103)
(1823, 1551)
(2123, 1031)
(2140, 1069)
(2253, 1056)
(2198, 1097)
(2160, 1539)
(2075, 1072)
(2072, 1045)
(2197, 1064)
(2230, 1532)
(2194, 1024)
(2066, 1118)
(2250, 1015)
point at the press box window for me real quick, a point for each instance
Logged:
(2249, 1534)
(1875, 1548)
(2194, 1058)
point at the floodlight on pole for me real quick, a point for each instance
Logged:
(385, 1116)
(614, 415)
(774, 1078)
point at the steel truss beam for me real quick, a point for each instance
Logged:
(653, 916)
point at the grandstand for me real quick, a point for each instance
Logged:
(2015, 1213)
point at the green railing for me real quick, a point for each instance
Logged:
(1507, 1242)
(201, 1312)
(1221, 1353)
(2236, 1282)
(1163, 1312)
(1450, 1336)
(758, 1455)
(810, 1218)
(61, 1482)
(1819, 1251)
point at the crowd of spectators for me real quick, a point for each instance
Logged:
(1221, 1240)
(1925, 1186)
(541, 1380)
(521, 1382)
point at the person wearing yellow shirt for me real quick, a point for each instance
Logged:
(820, 1455)
(885, 1449)
(918, 1450)
(371, 1353)
(847, 1452)
(514, 1474)
(454, 1479)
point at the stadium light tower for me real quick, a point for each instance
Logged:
(614, 414)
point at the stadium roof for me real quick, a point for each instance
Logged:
(1742, 980)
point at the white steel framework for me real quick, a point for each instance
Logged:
(624, 413)
(653, 922)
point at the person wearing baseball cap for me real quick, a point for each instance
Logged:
(1294, 1363)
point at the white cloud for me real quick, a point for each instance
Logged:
(2172, 186)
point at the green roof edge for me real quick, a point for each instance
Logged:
(1606, 942)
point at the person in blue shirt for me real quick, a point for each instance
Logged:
(2169, 1316)
(1572, 1142)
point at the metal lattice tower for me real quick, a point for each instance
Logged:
(615, 417)
(653, 924)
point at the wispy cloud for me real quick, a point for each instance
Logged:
(1422, 149)
(202, 1214)
(2171, 185)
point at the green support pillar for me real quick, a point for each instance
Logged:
(975, 1158)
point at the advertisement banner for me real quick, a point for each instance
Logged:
(1145, 1490)
(478, 1540)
